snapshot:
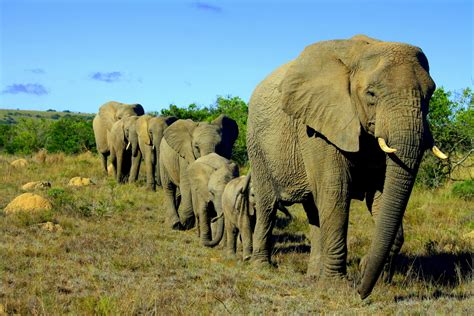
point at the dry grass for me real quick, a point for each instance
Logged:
(114, 255)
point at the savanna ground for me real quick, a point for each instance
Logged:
(115, 255)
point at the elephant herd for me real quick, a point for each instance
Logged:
(189, 160)
(344, 120)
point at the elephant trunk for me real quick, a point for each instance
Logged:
(402, 167)
(133, 139)
(219, 220)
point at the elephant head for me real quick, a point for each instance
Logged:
(345, 89)
(192, 140)
(150, 131)
(130, 135)
(124, 110)
(216, 185)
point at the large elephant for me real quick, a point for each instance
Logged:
(119, 142)
(145, 139)
(108, 114)
(208, 176)
(318, 129)
(182, 143)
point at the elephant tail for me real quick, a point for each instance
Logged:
(219, 234)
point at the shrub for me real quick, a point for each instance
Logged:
(451, 119)
(464, 190)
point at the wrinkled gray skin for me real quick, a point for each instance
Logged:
(182, 143)
(312, 130)
(145, 138)
(125, 166)
(239, 217)
(238, 204)
(208, 176)
(108, 114)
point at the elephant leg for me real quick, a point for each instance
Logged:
(373, 201)
(119, 167)
(155, 164)
(136, 161)
(204, 222)
(265, 213)
(185, 210)
(113, 161)
(169, 191)
(314, 264)
(104, 161)
(332, 201)
(245, 228)
(231, 238)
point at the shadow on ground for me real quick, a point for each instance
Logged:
(445, 269)
(290, 243)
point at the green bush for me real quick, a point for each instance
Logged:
(451, 119)
(67, 134)
(464, 190)
(70, 135)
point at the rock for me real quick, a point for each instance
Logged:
(28, 202)
(35, 185)
(79, 182)
(51, 227)
(19, 163)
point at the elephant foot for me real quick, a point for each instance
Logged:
(260, 262)
(313, 271)
(177, 226)
(188, 224)
(247, 257)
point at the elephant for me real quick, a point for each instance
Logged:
(208, 176)
(238, 205)
(145, 138)
(182, 143)
(108, 114)
(119, 141)
(344, 120)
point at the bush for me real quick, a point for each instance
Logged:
(451, 119)
(464, 190)
(27, 136)
(68, 134)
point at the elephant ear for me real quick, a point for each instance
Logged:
(230, 132)
(316, 91)
(142, 129)
(179, 137)
(170, 120)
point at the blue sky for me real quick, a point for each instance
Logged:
(78, 54)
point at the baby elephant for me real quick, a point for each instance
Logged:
(238, 203)
(208, 177)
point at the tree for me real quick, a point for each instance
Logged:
(70, 135)
(451, 119)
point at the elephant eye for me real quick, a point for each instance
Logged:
(371, 97)
(370, 93)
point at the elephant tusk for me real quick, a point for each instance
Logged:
(128, 146)
(153, 147)
(438, 153)
(385, 147)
